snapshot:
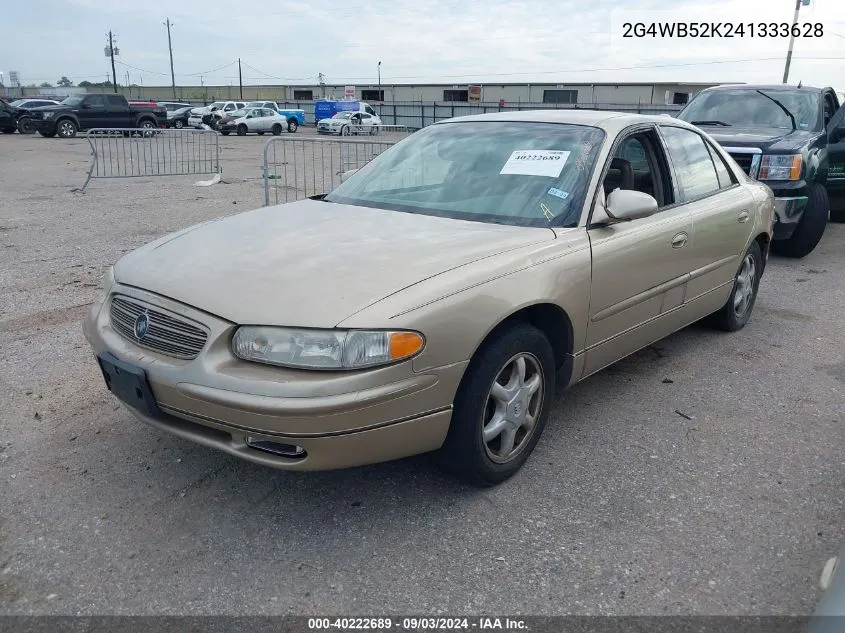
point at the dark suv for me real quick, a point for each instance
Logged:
(792, 138)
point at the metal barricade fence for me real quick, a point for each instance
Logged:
(133, 153)
(298, 168)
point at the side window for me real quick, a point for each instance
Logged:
(370, 110)
(726, 177)
(115, 100)
(638, 164)
(693, 165)
(95, 101)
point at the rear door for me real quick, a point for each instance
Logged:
(836, 160)
(117, 112)
(719, 207)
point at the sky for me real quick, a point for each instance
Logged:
(430, 41)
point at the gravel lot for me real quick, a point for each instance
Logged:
(626, 507)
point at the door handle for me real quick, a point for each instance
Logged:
(679, 241)
(743, 216)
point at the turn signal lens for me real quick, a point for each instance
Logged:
(404, 344)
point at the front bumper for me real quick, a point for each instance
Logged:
(195, 121)
(788, 212)
(339, 419)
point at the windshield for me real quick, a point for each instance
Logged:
(256, 104)
(18, 103)
(750, 108)
(343, 115)
(216, 104)
(74, 100)
(518, 173)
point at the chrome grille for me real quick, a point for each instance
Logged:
(167, 333)
(744, 161)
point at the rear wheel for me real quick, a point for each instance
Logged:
(148, 127)
(293, 125)
(501, 406)
(178, 124)
(811, 227)
(735, 313)
(242, 130)
(276, 129)
(66, 128)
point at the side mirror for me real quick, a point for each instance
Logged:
(347, 174)
(85, 106)
(625, 204)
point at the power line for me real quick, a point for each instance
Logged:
(207, 72)
(143, 70)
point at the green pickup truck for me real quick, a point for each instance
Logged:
(792, 138)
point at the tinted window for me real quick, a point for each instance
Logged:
(115, 100)
(517, 173)
(693, 165)
(726, 178)
(96, 101)
(370, 110)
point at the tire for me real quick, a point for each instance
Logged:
(465, 453)
(374, 131)
(178, 124)
(225, 132)
(345, 131)
(148, 126)
(26, 126)
(66, 128)
(47, 134)
(276, 129)
(242, 130)
(293, 125)
(737, 310)
(811, 227)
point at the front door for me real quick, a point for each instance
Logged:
(641, 267)
(93, 112)
(836, 161)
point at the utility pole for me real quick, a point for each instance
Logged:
(322, 79)
(168, 24)
(798, 4)
(112, 53)
(240, 78)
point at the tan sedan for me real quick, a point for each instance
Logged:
(437, 297)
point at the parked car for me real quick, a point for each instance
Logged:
(294, 117)
(350, 123)
(178, 117)
(257, 120)
(470, 267)
(209, 115)
(327, 108)
(83, 112)
(22, 109)
(793, 139)
(8, 121)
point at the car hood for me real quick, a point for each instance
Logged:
(310, 263)
(767, 139)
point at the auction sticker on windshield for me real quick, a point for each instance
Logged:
(536, 162)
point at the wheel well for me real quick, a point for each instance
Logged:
(552, 321)
(145, 118)
(763, 241)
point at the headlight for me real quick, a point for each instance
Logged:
(780, 167)
(324, 349)
(49, 115)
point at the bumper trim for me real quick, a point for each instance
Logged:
(788, 213)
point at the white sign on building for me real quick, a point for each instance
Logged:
(349, 92)
(14, 79)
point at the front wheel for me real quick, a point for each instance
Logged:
(293, 125)
(811, 227)
(178, 124)
(735, 313)
(501, 406)
(225, 132)
(345, 130)
(26, 126)
(242, 130)
(66, 128)
(276, 129)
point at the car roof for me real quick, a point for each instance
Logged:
(607, 120)
(762, 87)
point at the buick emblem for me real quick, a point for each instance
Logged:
(142, 325)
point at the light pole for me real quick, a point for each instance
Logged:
(380, 96)
(168, 24)
(798, 4)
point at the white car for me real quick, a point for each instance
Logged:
(218, 109)
(349, 123)
(28, 104)
(258, 120)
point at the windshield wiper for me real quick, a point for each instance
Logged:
(722, 123)
(782, 107)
